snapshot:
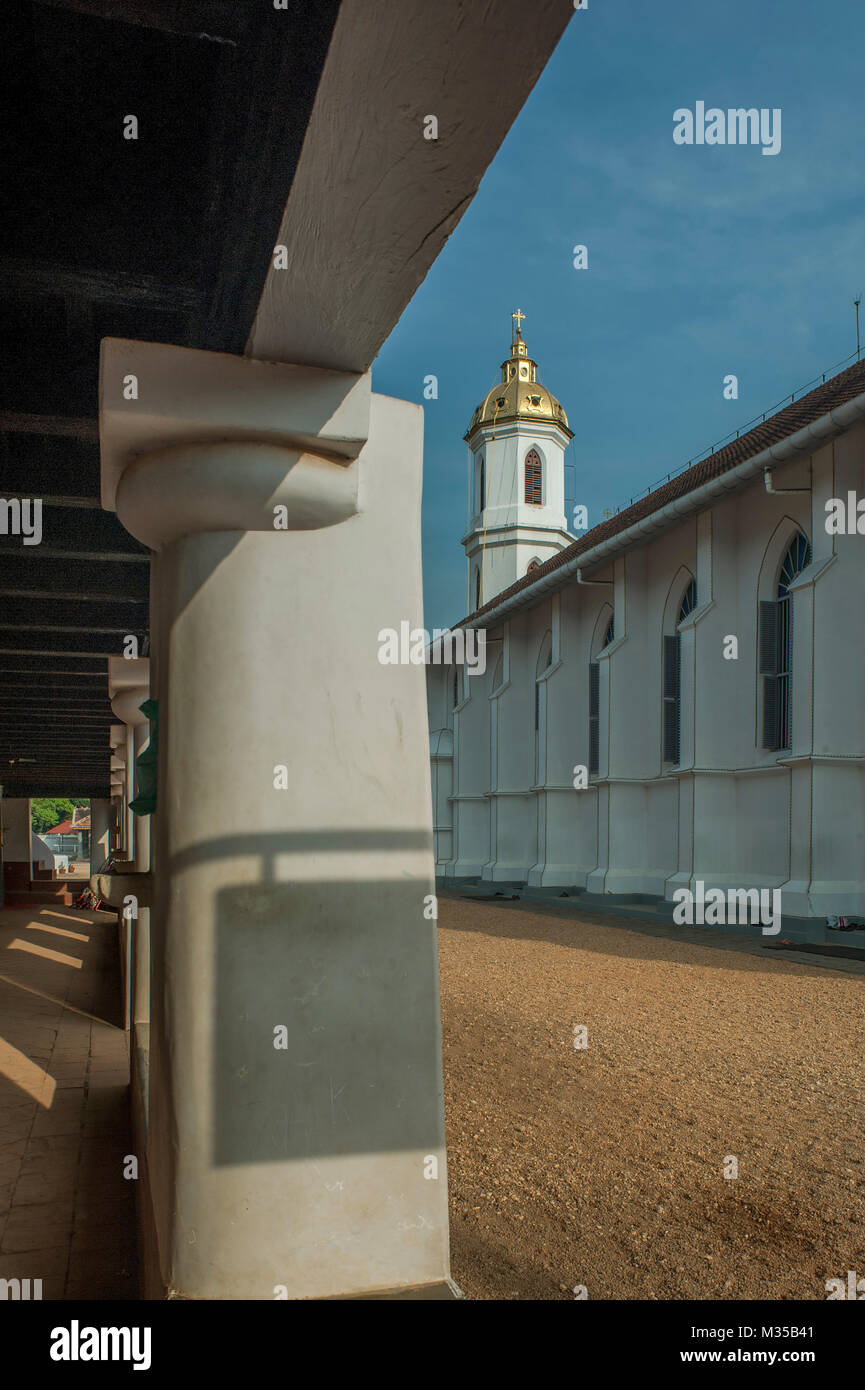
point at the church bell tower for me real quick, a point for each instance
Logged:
(517, 438)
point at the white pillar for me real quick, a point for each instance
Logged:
(17, 858)
(128, 682)
(296, 1126)
(100, 833)
(118, 788)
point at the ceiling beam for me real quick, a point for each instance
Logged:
(93, 596)
(104, 557)
(75, 580)
(97, 286)
(21, 626)
(222, 21)
(13, 422)
(77, 665)
(90, 692)
(87, 503)
(15, 748)
(49, 651)
(95, 788)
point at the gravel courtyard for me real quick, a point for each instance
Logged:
(604, 1166)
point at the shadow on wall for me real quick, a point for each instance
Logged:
(349, 971)
(357, 992)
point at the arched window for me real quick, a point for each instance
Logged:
(482, 485)
(797, 557)
(776, 648)
(689, 601)
(610, 632)
(672, 693)
(477, 589)
(534, 483)
(455, 688)
(532, 566)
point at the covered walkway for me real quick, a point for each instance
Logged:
(66, 1210)
(227, 515)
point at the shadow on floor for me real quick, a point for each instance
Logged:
(630, 938)
(67, 1213)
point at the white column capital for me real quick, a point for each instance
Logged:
(193, 489)
(127, 705)
(129, 687)
(195, 442)
(124, 672)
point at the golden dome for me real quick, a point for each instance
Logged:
(519, 395)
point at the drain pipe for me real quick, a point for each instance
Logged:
(780, 491)
(592, 583)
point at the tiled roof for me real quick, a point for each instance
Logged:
(825, 397)
(67, 827)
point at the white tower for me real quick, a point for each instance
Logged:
(517, 437)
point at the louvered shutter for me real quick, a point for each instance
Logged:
(594, 716)
(672, 657)
(785, 729)
(771, 713)
(533, 480)
(767, 643)
(768, 638)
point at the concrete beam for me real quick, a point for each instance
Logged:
(373, 202)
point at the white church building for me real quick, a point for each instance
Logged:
(677, 695)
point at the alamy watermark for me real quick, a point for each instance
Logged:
(853, 1289)
(732, 127)
(77, 1343)
(715, 907)
(18, 1289)
(845, 518)
(21, 516)
(416, 646)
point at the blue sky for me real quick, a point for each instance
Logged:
(703, 260)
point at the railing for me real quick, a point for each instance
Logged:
(743, 429)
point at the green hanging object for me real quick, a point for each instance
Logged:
(146, 765)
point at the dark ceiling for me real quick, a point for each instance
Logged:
(165, 238)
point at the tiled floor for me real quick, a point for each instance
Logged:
(66, 1210)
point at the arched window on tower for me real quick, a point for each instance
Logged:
(776, 648)
(477, 589)
(534, 481)
(672, 696)
(482, 485)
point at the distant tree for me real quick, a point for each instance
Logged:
(48, 811)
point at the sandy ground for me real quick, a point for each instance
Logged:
(604, 1166)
